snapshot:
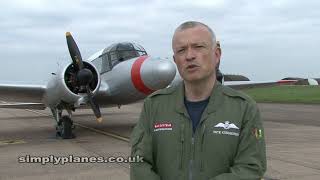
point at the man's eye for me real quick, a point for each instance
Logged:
(199, 46)
(181, 50)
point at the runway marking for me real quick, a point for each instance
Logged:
(113, 135)
(9, 142)
(116, 136)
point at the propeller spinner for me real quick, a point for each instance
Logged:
(84, 76)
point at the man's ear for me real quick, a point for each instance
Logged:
(218, 53)
(174, 59)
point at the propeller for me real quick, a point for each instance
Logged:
(84, 76)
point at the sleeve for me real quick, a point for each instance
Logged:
(141, 145)
(250, 160)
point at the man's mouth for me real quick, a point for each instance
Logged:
(192, 66)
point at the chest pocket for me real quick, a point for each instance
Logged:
(165, 133)
(166, 143)
(220, 140)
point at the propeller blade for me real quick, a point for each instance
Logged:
(74, 51)
(83, 75)
(94, 105)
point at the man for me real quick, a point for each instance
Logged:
(201, 129)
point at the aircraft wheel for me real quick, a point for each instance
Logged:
(65, 128)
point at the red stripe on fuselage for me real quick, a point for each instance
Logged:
(287, 81)
(136, 76)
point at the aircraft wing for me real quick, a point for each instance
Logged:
(254, 84)
(22, 93)
(19, 93)
(28, 96)
(38, 106)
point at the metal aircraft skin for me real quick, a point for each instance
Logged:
(121, 74)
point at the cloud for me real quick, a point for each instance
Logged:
(259, 38)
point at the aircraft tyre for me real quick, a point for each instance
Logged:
(65, 128)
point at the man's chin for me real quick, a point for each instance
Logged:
(196, 79)
(193, 79)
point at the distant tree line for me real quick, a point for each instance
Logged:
(232, 77)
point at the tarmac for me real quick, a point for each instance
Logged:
(292, 137)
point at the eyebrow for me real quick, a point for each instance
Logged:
(192, 44)
(199, 43)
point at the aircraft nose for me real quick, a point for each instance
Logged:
(158, 73)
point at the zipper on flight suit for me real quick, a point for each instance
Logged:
(201, 147)
(191, 164)
(182, 145)
(192, 159)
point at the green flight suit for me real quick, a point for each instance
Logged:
(228, 143)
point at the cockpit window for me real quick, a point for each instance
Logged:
(117, 53)
(124, 51)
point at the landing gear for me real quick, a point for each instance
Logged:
(64, 125)
(64, 128)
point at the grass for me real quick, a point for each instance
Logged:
(286, 94)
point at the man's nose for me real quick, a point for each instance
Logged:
(190, 55)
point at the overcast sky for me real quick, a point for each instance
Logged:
(263, 40)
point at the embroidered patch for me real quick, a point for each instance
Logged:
(227, 125)
(230, 133)
(162, 127)
(257, 133)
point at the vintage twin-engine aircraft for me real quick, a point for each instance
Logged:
(120, 74)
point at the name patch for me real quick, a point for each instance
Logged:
(162, 127)
(230, 133)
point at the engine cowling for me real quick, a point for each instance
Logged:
(63, 86)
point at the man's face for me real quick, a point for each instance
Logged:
(195, 54)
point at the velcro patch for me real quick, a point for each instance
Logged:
(162, 127)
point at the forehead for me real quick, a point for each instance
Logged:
(196, 34)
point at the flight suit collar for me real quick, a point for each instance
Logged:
(215, 101)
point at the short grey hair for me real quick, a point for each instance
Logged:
(192, 24)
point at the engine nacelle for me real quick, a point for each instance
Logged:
(63, 86)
